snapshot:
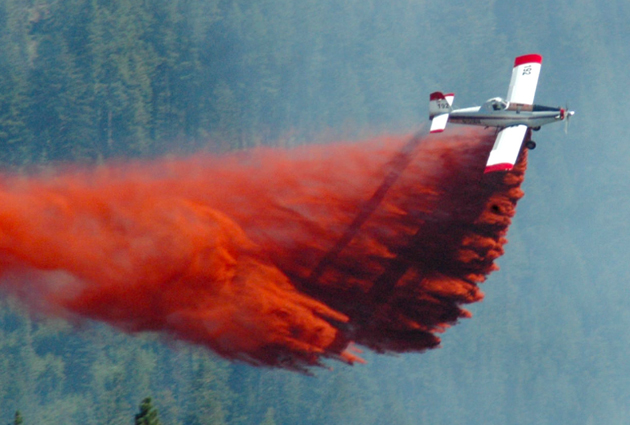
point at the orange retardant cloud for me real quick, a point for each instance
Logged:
(271, 256)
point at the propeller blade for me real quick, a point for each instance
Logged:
(568, 114)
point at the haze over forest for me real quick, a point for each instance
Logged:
(88, 80)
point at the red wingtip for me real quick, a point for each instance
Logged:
(534, 57)
(437, 131)
(504, 166)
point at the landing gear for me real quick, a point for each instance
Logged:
(530, 144)
(536, 128)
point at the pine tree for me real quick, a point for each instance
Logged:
(148, 414)
(18, 418)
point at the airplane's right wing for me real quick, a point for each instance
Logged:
(524, 79)
(506, 149)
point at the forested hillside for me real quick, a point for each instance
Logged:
(87, 80)
(90, 80)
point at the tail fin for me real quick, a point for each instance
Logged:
(439, 109)
(440, 103)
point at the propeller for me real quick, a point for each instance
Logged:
(567, 114)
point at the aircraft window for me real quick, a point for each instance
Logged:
(499, 105)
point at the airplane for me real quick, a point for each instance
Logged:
(513, 116)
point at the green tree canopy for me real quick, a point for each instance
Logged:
(18, 418)
(148, 414)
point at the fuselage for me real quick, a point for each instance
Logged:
(498, 113)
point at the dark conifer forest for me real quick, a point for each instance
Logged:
(88, 81)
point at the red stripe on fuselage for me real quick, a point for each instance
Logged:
(534, 57)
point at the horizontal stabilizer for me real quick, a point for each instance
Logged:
(438, 123)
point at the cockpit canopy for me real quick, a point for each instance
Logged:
(495, 104)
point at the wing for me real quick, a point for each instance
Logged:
(524, 79)
(506, 149)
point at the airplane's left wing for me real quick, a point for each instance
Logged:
(524, 79)
(506, 149)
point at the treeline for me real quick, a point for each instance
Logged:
(57, 373)
(54, 374)
(91, 79)
(88, 79)
(148, 415)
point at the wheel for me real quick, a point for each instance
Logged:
(530, 144)
(536, 128)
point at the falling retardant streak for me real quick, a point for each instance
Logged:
(278, 257)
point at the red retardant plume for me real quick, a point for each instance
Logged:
(273, 257)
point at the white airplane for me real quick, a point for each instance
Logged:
(512, 117)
